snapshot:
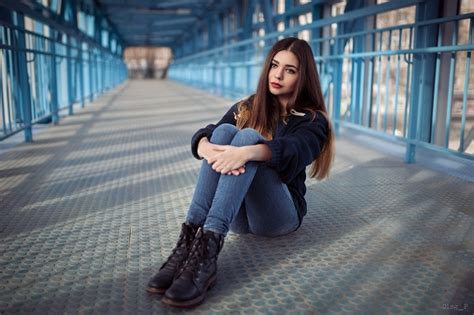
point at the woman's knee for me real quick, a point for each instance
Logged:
(224, 134)
(247, 136)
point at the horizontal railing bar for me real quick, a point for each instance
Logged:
(96, 46)
(391, 28)
(434, 49)
(53, 21)
(243, 58)
(34, 51)
(426, 50)
(367, 11)
(402, 140)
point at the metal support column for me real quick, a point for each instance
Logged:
(421, 102)
(54, 79)
(70, 87)
(91, 74)
(248, 23)
(446, 61)
(288, 6)
(337, 88)
(358, 73)
(267, 10)
(96, 73)
(22, 77)
(317, 14)
(80, 68)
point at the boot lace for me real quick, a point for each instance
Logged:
(198, 250)
(178, 252)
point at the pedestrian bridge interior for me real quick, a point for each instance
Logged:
(97, 173)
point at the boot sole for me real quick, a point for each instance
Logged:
(196, 301)
(155, 290)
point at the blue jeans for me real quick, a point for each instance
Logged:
(254, 202)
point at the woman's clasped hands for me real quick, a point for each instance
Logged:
(225, 159)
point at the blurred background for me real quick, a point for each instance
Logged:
(400, 70)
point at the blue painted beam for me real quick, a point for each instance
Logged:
(80, 69)
(70, 86)
(287, 17)
(267, 10)
(249, 10)
(358, 73)
(317, 14)
(359, 13)
(54, 81)
(25, 116)
(175, 21)
(91, 75)
(58, 22)
(421, 103)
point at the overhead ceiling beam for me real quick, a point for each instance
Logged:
(150, 36)
(177, 3)
(149, 10)
(155, 19)
(151, 42)
(174, 21)
(167, 32)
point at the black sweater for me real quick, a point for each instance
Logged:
(294, 146)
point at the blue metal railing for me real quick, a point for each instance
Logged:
(40, 76)
(397, 82)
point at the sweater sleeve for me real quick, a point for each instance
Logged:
(208, 130)
(293, 152)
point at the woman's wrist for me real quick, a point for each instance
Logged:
(257, 152)
(248, 153)
(201, 146)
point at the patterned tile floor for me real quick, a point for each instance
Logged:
(92, 207)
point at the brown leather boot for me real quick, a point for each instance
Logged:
(198, 274)
(164, 278)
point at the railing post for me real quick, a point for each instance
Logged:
(422, 85)
(358, 85)
(91, 75)
(22, 77)
(70, 91)
(317, 13)
(81, 73)
(54, 80)
(445, 62)
(337, 88)
(104, 73)
(96, 73)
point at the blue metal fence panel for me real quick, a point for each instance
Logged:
(42, 74)
(369, 75)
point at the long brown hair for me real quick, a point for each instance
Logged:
(265, 110)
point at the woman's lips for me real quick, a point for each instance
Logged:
(276, 85)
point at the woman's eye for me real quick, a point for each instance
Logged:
(273, 65)
(291, 71)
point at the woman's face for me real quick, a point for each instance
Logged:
(283, 75)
